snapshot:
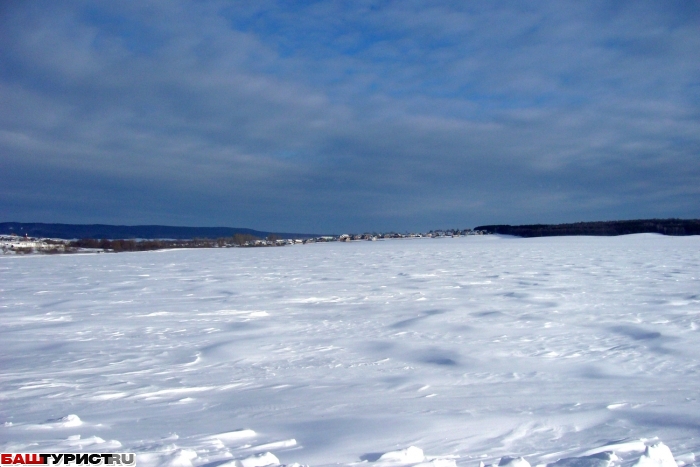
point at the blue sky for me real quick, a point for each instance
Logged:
(348, 116)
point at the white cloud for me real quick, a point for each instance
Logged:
(384, 111)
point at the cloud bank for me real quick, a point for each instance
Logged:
(349, 116)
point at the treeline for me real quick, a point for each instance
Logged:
(147, 245)
(676, 227)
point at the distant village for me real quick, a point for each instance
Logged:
(361, 237)
(14, 244)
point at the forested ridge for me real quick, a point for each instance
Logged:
(677, 227)
(100, 231)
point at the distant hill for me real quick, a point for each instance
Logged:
(98, 231)
(604, 228)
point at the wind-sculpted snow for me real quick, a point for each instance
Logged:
(565, 352)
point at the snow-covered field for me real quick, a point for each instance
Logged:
(470, 349)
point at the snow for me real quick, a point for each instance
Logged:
(508, 461)
(569, 351)
(410, 455)
(601, 459)
(657, 455)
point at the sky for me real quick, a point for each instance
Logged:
(349, 116)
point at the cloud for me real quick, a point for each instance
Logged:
(324, 116)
